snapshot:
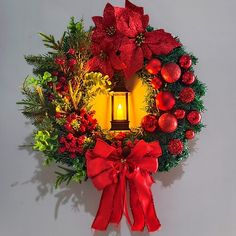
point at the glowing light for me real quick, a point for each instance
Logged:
(120, 112)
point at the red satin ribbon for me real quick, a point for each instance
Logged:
(111, 172)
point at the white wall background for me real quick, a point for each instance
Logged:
(197, 198)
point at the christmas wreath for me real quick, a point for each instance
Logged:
(108, 59)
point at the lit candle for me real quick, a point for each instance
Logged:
(120, 112)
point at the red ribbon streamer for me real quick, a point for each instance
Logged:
(111, 172)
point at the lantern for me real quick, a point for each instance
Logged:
(119, 108)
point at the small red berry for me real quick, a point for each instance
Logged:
(60, 61)
(55, 73)
(71, 51)
(72, 62)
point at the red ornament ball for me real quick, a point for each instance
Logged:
(180, 114)
(156, 83)
(185, 61)
(165, 101)
(187, 95)
(188, 77)
(149, 123)
(171, 72)
(194, 117)
(189, 134)
(167, 123)
(175, 147)
(153, 66)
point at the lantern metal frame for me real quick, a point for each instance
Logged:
(120, 124)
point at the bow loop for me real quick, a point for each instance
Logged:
(102, 149)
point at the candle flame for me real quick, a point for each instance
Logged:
(120, 112)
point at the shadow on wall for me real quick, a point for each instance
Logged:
(84, 194)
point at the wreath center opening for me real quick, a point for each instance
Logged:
(118, 107)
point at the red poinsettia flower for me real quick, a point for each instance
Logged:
(105, 27)
(105, 58)
(138, 43)
(121, 41)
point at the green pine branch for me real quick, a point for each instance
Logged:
(34, 107)
(41, 63)
(64, 177)
(50, 42)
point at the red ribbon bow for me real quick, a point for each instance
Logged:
(111, 172)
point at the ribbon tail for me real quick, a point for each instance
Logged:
(104, 212)
(136, 208)
(118, 203)
(142, 185)
(152, 222)
(126, 211)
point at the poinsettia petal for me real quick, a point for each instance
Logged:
(126, 25)
(105, 68)
(98, 21)
(132, 56)
(137, 22)
(146, 51)
(134, 8)
(109, 16)
(93, 64)
(116, 62)
(145, 20)
(131, 23)
(107, 45)
(136, 63)
(98, 34)
(119, 11)
(161, 42)
(95, 48)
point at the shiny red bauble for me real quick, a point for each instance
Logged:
(153, 66)
(165, 101)
(167, 123)
(171, 72)
(194, 117)
(175, 147)
(189, 134)
(185, 61)
(156, 83)
(187, 95)
(188, 77)
(180, 114)
(149, 123)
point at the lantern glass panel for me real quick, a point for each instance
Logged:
(119, 106)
